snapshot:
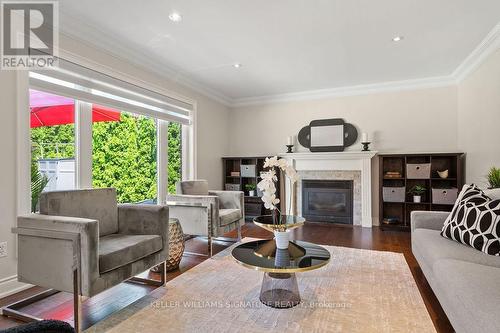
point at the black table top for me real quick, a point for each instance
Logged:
(263, 255)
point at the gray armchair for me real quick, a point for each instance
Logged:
(207, 213)
(83, 242)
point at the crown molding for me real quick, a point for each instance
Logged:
(365, 89)
(488, 45)
(82, 31)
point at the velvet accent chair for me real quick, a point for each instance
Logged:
(202, 212)
(83, 242)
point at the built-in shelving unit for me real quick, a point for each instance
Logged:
(253, 204)
(397, 163)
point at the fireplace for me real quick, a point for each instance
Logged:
(327, 201)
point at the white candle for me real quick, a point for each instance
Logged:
(290, 140)
(364, 137)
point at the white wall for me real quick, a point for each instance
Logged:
(211, 136)
(8, 265)
(479, 118)
(420, 120)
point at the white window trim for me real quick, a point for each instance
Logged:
(84, 155)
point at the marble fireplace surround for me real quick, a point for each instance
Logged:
(348, 165)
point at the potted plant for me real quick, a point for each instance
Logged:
(494, 178)
(251, 189)
(417, 191)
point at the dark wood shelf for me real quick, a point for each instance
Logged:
(253, 204)
(454, 162)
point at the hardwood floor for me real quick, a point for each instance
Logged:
(59, 306)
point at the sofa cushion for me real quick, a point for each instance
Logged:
(474, 291)
(117, 250)
(432, 247)
(96, 204)
(228, 216)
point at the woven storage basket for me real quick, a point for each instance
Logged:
(418, 171)
(444, 196)
(393, 194)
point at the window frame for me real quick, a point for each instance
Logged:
(83, 139)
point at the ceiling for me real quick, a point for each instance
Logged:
(286, 46)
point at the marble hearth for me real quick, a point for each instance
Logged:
(355, 166)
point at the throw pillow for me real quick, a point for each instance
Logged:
(475, 221)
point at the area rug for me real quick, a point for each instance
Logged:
(358, 291)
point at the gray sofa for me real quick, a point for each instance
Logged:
(466, 281)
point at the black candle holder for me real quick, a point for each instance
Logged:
(289, 148)
(366, 146)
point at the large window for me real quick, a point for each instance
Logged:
(89, 129)
(52, 143)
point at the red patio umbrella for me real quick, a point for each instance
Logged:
(50, 110)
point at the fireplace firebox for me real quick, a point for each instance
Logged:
(327, 201)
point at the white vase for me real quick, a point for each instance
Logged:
(251, 193)
(282, 238)
(417, 198)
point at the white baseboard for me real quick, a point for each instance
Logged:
(10, 285)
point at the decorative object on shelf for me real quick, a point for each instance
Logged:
(251, 189)
(417, 191)
(365, 142)
(268, 187)
(443, 174)
(289, 144)
(235, 173)
(494, 178)
(391, 221)
(392, 174)
(328, 135)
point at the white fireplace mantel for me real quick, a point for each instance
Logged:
(339, 161)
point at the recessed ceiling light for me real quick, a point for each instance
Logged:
(175, 17)
(397, 38)
(237, 65)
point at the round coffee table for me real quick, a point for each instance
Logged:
(279, 285)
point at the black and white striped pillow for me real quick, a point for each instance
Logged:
(475, 221)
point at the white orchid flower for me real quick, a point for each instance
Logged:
(269, 178)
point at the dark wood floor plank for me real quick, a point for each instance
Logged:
(97, 308)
